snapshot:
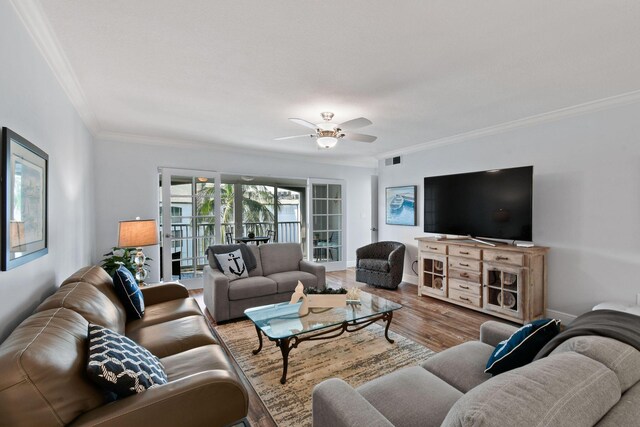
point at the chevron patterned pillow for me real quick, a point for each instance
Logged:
(121, 366)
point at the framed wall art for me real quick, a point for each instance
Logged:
(24, 181)
(400, 205)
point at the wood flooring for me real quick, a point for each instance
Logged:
(435, 324)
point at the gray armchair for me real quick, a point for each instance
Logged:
(380, 264)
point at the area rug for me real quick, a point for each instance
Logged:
(354, 357)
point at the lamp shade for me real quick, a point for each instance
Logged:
(137, 233)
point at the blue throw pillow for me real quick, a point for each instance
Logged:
(129, 293)
(119, 365)
(522, 346)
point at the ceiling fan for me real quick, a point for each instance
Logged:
(327, 133)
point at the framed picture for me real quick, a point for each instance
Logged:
(24, 201)
(400, 205)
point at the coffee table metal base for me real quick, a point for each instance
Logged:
(289, 343)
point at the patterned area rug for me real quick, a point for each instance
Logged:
(354, 357)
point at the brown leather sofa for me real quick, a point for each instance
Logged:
(43, 362)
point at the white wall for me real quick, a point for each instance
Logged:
(33, 104)
(586, 198)
(127, 185)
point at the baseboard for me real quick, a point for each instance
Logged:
(410, 279)
(564, 317)
(351, 264)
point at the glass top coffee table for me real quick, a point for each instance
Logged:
(282, 323)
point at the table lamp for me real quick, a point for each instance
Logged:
(136, 234)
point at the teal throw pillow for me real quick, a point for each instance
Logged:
(522, 346)
(128, 292)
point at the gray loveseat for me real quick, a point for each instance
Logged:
(587, 380)
(279, 267)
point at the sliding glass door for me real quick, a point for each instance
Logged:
(189, 206)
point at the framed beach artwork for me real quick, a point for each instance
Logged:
(400, 205)
(24, 201)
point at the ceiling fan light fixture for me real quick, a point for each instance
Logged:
(326, 126)
(327, 141)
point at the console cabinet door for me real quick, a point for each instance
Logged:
(433, 274)
(503, 289)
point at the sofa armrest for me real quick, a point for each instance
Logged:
(316, 269)
(212, 398)
(336, 404)
(493, 332)
(163, 292)
(216, 293)
(396, 257)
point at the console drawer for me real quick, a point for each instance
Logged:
(437, 248)
(467, 276)
(504, 256)
(465, 287)
(465, 252)
(464, 297)
(465, 264)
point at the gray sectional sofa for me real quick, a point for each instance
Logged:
(279, 267)
(586, 380)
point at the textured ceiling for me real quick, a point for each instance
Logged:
(232, 72)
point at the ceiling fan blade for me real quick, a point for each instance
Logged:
(292, 137)
(304, 123)
(355, 123)
(359, 137)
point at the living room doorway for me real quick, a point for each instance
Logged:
(327, 223)
(188, 215)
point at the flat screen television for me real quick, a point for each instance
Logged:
(491, 204)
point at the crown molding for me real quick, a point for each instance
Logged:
(364, 162)
(37, 25)
(562, 113)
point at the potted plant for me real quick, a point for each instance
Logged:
(118, 257)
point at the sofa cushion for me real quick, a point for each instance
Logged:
(394, 396)
(279, 257)
(119, 365)
(205, 358)
(96, 276)
(165, 311)
(255, 250)
(461, 366)
(127, 289)
(621, 358)
(288, 280)
(522, 346)
(232, 265)
(563, 390)
(174, 336)
(251, 287)
(624, 413)
(43, 371)
(374, 264)
(86, 300)
(93, 274)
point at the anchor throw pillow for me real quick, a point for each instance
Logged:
(232, 265)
